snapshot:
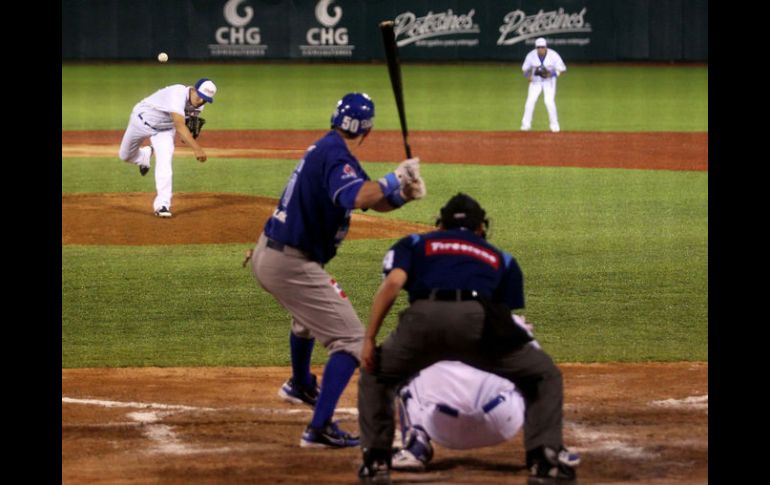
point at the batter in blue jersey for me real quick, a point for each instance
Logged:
(314, 211)
(309, 223)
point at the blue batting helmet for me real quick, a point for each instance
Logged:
(354, 113)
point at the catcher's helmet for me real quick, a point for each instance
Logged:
(354, 113)
(463, 211)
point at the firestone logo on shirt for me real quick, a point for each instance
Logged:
(328, 40)
(416, 30)
(465, 248)
(518, 26)
(237, 39)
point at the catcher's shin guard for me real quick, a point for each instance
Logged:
(416, 449)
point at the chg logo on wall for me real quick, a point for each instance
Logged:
(520, 27)
(238, 39)
(424, 31)
(328, 40)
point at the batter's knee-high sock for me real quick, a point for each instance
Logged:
(336, 376)
(301, 352)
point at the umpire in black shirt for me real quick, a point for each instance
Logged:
(462, 291)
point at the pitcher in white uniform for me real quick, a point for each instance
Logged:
(542, 66)
(159, 117)
(459, 407)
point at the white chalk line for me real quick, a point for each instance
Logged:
(605, 442)
(617, 444)
(141, 405)
(178, 407)
(165, 440)
(692, 402)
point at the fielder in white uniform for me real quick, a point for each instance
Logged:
(159, 117)
(542, 80)
(458, 406)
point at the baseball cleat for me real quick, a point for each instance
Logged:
(375, 472)
(416, 453)
(568, 458)
(330, 436)
(549, 467)
(143, 169)
(163, 212)
(406, 461)
(294, 394)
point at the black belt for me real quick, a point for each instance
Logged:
(444, 295)
(492, 404)
(450, 411)
(277, 245)
(285, 248)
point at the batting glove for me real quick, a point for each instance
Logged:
(408, 170)
(415, 189)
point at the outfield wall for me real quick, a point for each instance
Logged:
(442, 30)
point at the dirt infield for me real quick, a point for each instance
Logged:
(632, 423)
(199, 218)
(650, 150)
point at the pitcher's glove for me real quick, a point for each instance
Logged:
(542, 72)
(195, 124)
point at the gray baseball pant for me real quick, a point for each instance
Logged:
(317, 306)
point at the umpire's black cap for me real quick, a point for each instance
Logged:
(462, 210)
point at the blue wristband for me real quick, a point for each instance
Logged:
(395, 199)
(389, 184)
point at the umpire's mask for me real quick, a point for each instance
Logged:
(463, 211)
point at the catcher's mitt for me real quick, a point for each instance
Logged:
(195, 124)
(542, 72)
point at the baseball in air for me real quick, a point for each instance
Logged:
(162, 57)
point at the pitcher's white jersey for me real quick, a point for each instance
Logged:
(156, 108)
(461, 407)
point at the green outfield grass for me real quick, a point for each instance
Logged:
(468, 97)
(615, 265)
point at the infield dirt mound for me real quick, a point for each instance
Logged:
(202, 218)
(633, 423)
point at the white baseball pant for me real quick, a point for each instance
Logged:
(131, 151)
(548, 88)
(467, 431)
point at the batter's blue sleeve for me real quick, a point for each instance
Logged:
(347, 195)
(344, 178)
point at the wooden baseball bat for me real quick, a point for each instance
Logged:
(394, 69)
